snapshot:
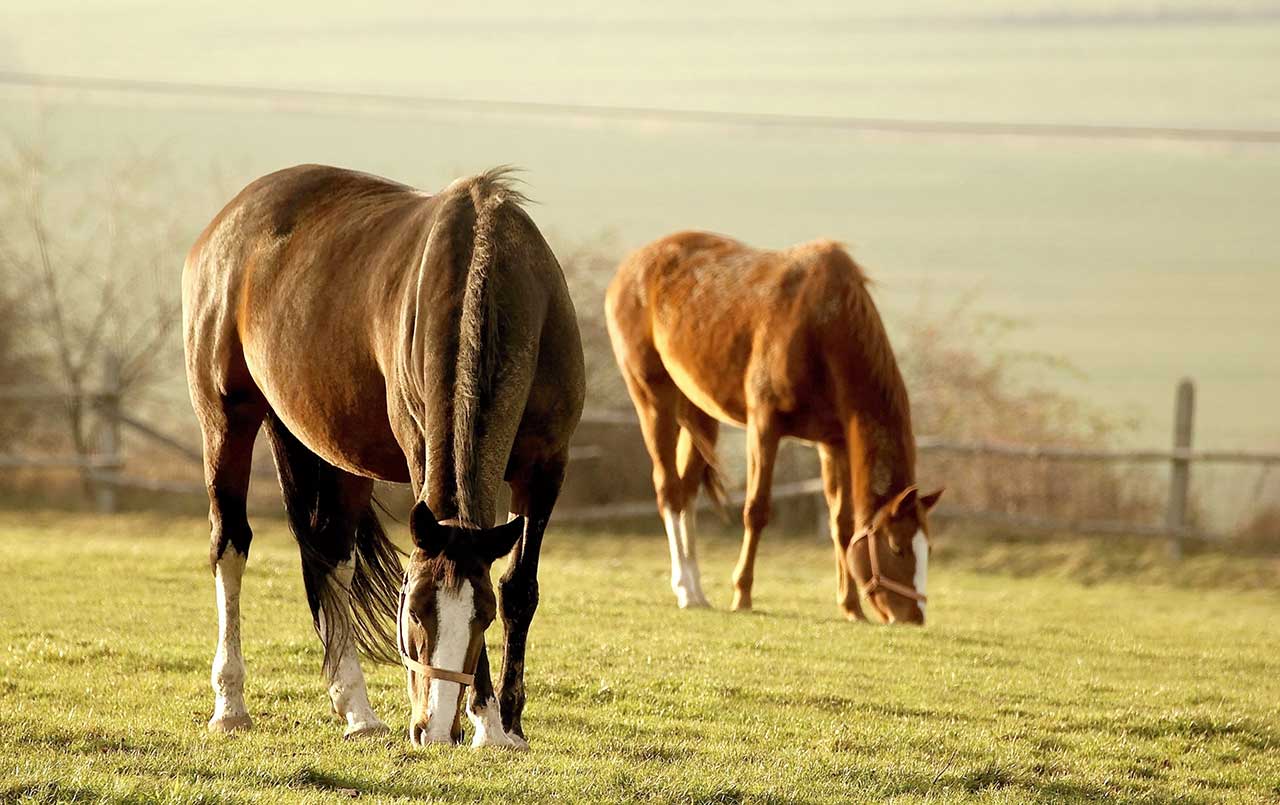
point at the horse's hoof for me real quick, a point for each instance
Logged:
(355, 732)
(501, 741)
(229, 724)
(741, 603)
(518, 743)
(685, 600)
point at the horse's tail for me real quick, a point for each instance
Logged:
(477, 337)
(312, 499)
(375, 589)
(712, 475)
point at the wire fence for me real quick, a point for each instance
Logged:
(104, 469)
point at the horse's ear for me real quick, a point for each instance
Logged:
(426, 530)
(903, 501)
(498, 541)
(930, 500)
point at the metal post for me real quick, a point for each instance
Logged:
(104, 488)
(1180, 467)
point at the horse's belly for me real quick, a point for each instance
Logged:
(338, 414)
(721, 399)
(348, 444)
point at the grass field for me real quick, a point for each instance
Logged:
(1024, 687)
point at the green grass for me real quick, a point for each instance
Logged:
(1023, 688)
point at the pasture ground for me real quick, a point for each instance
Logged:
(1024, 687)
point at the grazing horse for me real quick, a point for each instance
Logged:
(386, 334)
(786, 343)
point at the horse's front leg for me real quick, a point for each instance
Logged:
(519, 600)
(762, 450)
(534, 498)
(483, 710)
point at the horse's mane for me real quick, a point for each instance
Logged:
(477, 327)
(869, 333)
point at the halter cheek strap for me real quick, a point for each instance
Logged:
(429, 671)
(436, 673)
(878, 581)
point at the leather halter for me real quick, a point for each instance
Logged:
(877, 580)
(429, 671)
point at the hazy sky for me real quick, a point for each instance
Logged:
(1138, 262)
(1181, 63)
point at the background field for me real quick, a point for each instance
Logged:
(1060, 683)
(1139, 263)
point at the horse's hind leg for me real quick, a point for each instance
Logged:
(657, 402)
(762, 450)
(698, 432)
(326, 507)
(229, 424)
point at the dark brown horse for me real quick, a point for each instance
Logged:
(384, 333)
(789, 343)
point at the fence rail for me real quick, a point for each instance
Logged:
(1180, 457)
(103, 467)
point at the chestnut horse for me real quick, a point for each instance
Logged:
(785, 343)
(386, 334)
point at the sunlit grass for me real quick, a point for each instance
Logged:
(1022, 688)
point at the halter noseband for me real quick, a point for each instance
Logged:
(877, 581)
(429, 671)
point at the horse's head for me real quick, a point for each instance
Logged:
(889, 559)
(447, 604)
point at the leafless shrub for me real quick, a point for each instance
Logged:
(967, 385)
(588, 268)
(92, 252)
(1261, 532)
(16, 364)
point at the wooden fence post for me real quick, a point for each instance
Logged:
(108, 436)
(1180, 467)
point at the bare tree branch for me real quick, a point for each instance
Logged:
(90, 244)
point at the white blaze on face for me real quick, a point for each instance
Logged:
(455, 609)
(920, 547)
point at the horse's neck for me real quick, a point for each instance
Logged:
(882, 460)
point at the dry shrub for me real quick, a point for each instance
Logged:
(588, 268)
(1261, 533)
(17, 366)
(968, 386)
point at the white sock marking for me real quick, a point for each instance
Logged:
(488, 723)
(347, 689)
(693, 572)
(683, 580)
(920, 547)
(454, 612)
(228, 672)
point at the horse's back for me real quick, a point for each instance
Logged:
(734, 326)
(292, 288)
(725, 279)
